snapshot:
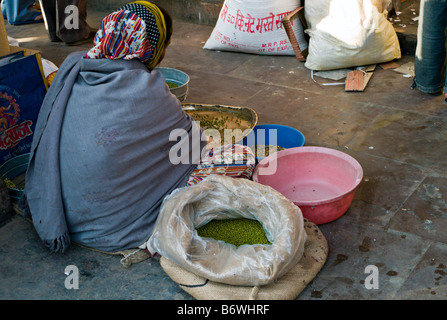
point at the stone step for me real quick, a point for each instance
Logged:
(195, 11)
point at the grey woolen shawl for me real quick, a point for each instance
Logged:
(99, 166)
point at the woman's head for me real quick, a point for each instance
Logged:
(138, 30)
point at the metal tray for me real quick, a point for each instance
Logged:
(247, 116)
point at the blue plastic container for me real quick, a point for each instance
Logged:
(274, 134)
(15, 170)
(177, 77)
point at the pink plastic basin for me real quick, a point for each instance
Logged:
(320, 181)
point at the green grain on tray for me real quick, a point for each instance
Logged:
(234, 231)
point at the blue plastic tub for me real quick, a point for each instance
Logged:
(177, 77)
(274, 134)
(15, 170)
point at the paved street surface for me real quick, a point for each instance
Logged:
(398, 218)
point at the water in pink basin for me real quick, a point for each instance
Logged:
(312, 190)
(321, 181)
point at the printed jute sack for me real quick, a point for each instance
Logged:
(349, 33)
(22, 90)
(287, 287)
(255, 26)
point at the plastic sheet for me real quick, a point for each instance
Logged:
(219, 197)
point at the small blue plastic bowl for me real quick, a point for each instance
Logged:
(266, 134)
(15, 170)
(180, 78)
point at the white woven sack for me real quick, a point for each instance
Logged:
(254, 26)
(287, 287)
(219, 197)
(349, 33)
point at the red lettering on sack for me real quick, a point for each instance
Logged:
(279, 18)
(223, 12)
(13, 135)
(244, 22)
(265, 24)
(249, 24)
(239, 20)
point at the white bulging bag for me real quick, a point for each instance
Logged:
(349, 33)
(255, 26)
(219, 197)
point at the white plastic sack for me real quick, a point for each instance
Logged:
(219, 197)
(48, 67)
(349, 33)
(254, 26)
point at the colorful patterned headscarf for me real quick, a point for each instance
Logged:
(137, 30)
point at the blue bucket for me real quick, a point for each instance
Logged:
(15, 170)
(266, 134)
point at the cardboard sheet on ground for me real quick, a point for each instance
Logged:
(337, 74)
(288, 287)
(407, 69)
(354, 79)
(357, 80)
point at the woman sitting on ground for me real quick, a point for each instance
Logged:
(100, 162)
